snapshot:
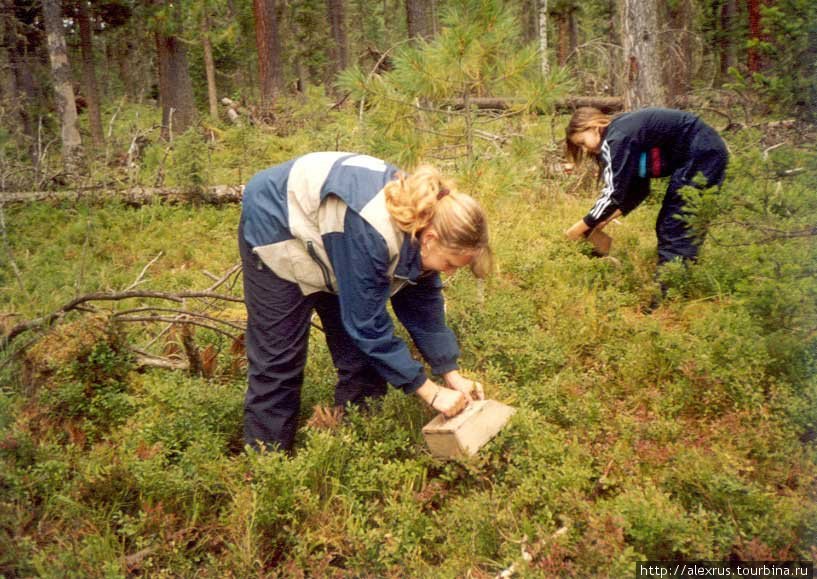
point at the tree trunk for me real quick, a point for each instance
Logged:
(642, 54)
(337, 20)
(209, 67)
(21, 86)
(728, 55)
(543, 37)
(136, 196)
(175, 86)
(564, 37)
(417, 21)
(89, 70)
(606, 105)
(63, 91)
(566, 27)
(613, 44)
(755, 58)
(269, 53)
(528, 15)
(678, 51)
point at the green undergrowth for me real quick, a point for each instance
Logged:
(683, 433)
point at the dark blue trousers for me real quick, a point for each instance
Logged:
(278, 324)
(708, 157)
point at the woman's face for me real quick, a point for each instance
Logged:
(436, 257)
(589, 140)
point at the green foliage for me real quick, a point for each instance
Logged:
(189, 166)
(421, 107)
(91, 389)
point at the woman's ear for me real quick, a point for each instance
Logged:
(427, 235)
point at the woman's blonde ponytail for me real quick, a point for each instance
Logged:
(425, 199)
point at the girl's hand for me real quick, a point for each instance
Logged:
(577, 230)
(471, 389)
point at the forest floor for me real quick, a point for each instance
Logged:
(683, 433)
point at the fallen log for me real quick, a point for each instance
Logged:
(135, 196)
(604, 104)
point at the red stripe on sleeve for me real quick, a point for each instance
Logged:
(656, 161)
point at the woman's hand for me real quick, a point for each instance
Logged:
(449, 402)
(471, 389)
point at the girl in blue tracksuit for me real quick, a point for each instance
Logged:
(344, 235)
(632, 148)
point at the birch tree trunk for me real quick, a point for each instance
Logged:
(209, 66)
(63, 91)
(642, 55)
(543, 37)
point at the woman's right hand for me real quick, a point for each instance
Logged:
(445, 400)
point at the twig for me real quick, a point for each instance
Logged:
(767, 150)
(110, 131)
(122, 316)
(147, 359)
(140, 279)
(219, 282)
(225, 277)
(372, 73)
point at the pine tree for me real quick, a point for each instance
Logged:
(425, 106)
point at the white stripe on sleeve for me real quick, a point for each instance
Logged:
(605, 199)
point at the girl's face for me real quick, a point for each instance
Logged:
(436, 257)
(589, 140)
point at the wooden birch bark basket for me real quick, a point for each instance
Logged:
(464, 434)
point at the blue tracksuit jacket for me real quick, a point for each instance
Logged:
(320, 221)
(653, 142)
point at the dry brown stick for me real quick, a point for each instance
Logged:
(218, 282)
(147, 359)
(225, 277)
(141, 276)
(76, 302)
(124, 316)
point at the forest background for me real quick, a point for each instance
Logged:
(128, 128)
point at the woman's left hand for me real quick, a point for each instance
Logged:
(472, 389)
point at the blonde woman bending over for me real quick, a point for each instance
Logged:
(343, 234)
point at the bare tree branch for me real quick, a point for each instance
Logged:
(128, 316)
(76, 302)
(144, 270)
